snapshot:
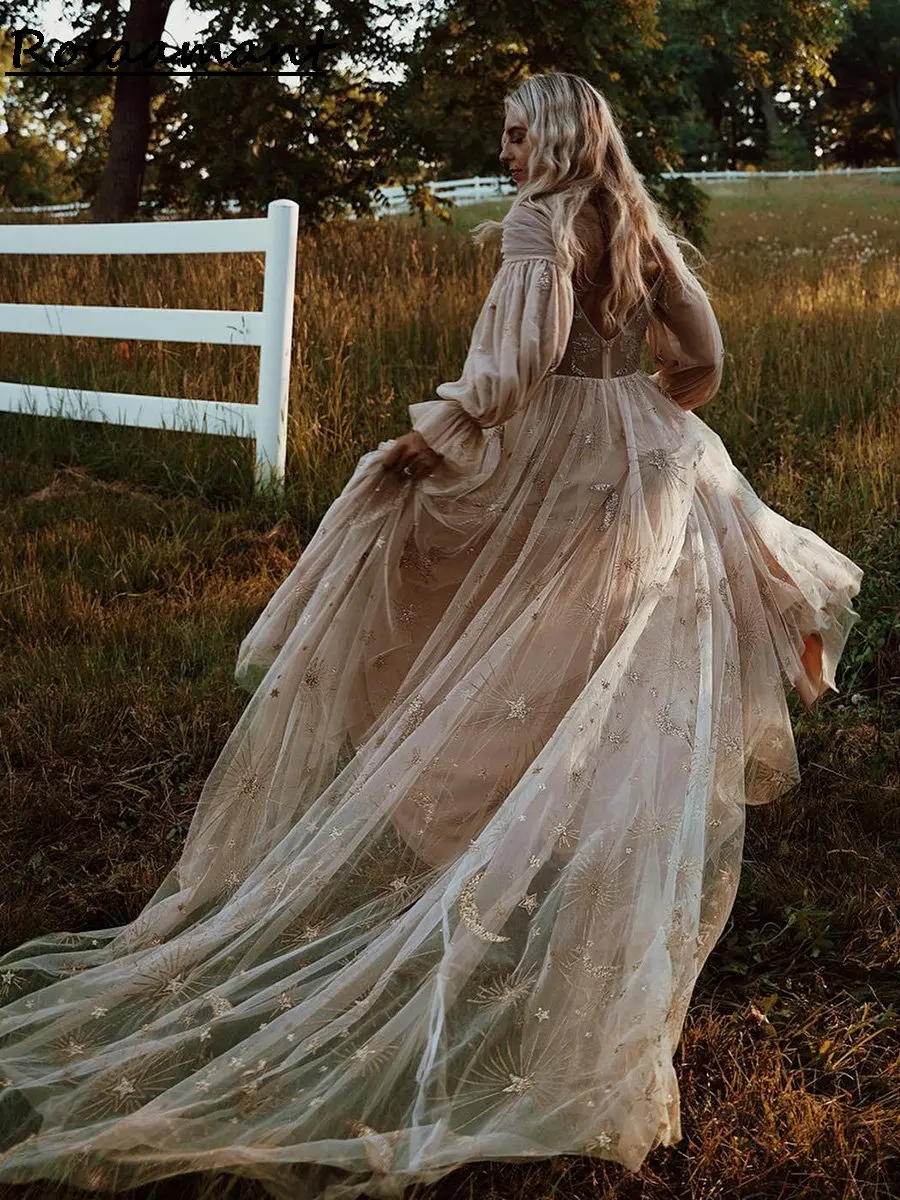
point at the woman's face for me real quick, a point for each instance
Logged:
(514, 149)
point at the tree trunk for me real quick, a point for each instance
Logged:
(769, 112)
(732, 139)
(119, 193)
(894, 110)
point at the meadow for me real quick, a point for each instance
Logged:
(132, 563)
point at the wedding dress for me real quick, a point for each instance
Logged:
(449, 886)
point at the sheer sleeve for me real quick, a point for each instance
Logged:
(519, 335)
(686, 344)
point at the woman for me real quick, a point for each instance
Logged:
(451, 882)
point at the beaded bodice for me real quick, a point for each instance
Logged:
(594, 357)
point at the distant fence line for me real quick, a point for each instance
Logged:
(269, 328)
(478, 188)
(488, 187)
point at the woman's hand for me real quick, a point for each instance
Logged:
(413, 452)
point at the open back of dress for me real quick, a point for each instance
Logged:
(588, 353)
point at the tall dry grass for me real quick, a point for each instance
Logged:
(133, 561)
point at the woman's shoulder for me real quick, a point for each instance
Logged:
(527, 231)
(529, 211)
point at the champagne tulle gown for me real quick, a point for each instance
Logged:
(452, 879)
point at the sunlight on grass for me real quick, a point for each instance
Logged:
(134, 561)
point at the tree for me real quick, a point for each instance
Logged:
(119, 193)
(328, 146)
(862, 108)
(331, 140)
(148, 110)
(466, 57)
(48, 144)
(747, 50)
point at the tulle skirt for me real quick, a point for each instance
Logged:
(450, 884)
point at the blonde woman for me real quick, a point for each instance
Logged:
(451, 882)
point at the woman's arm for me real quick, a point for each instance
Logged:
(519, 335)
(686, 344)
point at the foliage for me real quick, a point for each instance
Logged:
(684, 204)
(695, 83)
(331, 139)
(861, 110)
(733, 58)
(52, 134)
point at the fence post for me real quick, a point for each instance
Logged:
(275, 348)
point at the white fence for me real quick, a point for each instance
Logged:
(76, 206)
(269, 328)
(492, 187)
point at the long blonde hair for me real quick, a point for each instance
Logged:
(578, 156)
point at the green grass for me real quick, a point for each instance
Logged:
(132, 562)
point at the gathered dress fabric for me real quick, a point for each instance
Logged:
(450, 884)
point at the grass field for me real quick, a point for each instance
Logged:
(132, 562)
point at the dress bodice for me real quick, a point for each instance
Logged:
(589, 355)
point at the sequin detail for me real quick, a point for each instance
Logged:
(588, 355)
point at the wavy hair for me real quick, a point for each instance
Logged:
(577, 155)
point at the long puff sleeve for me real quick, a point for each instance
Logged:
(520, 334)
(686, 344)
